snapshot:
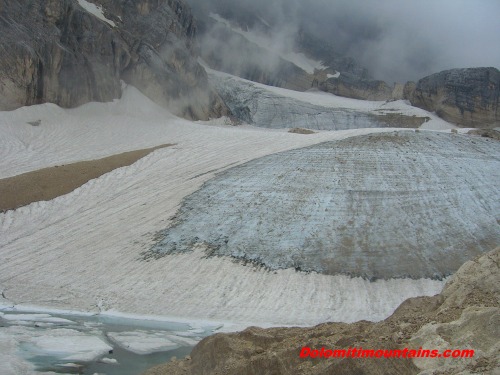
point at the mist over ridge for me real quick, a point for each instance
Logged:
(396, 41)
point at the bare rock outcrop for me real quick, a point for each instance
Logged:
(468, 97)
(466, 315)
(71, 52)
(352, 86)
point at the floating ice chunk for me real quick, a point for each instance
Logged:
(144, 342)
(56, 320)
(43, 318)
(25, 317)
(69, 344)
(18, 345)
(189, 333)
(109, 361)
(197, 330)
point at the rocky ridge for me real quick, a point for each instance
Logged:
(70, 52)
(466, 315)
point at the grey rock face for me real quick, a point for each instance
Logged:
(56, 51)
(468, 97)
(324, 51)
(391, 205)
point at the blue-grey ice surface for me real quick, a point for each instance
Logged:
(260, 107)
(399, 204)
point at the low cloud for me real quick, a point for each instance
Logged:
(396, 40)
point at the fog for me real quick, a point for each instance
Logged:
(396, 40)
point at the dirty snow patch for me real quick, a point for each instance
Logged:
(95, 10)
(336, 75)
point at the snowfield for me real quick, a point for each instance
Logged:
(85, 250)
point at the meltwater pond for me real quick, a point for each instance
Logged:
(77, 344)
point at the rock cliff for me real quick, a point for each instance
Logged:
(70, 52)
(468, 97)
(466, 315)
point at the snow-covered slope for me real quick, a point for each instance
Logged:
(91, 131)
(85, 250)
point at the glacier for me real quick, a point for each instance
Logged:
(275, 108)
(391, 205)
